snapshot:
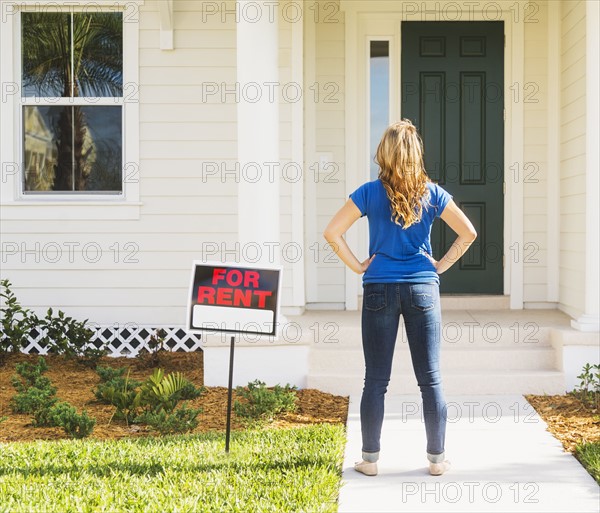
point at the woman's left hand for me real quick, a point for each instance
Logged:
(432, 260)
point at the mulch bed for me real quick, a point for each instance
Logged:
(75, 383)
(569, 419)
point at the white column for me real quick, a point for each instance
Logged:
(258, 129)
(590, 319)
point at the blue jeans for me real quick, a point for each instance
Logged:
(419, 304)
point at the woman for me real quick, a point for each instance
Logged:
(401, 278)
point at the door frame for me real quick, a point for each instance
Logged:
(371, 19)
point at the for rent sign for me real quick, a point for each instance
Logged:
(234, 298)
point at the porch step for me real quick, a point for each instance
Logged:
(483, 351)
(463, 333)
(470, 302)
(492, 359)
(454, 382)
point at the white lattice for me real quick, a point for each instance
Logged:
(125, 340)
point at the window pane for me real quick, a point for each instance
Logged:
(47, 132)
(98, 54)
(95, 53)
(72, 148)
(379, 72)
(46, 54)
(101, 160)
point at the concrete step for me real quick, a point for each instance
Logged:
(351, 360)
(464, 333)
(468, 302)
(454, 382)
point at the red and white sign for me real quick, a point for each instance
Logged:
(235, 298)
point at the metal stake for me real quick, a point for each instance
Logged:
(229, 394)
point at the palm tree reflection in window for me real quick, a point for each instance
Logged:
(76, 55)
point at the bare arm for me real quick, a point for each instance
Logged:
(460, 224)
(339, 224)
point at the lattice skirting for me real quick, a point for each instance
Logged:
(126, 340)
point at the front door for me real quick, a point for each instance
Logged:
(453, 91)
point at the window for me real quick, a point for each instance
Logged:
(72, 102)
(379, 101)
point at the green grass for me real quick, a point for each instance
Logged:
(589, 456)
(267, 470)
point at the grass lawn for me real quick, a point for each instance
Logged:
(276, 470)
(589, 456)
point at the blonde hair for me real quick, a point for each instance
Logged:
(402, 171)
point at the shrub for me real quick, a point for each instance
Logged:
(2, 419)
(123, 395)
(64, 335)
(262, 404)
(30, 376)
(110, 373)
(181, 420)
(156, 344)
(60, 334)
(32, 400)
(91, 356)
(16, 322)
(42, 417)
(35, 393)
(588, 390)
(152, 401)
(111, 381)
(160, 392)
(76, 426)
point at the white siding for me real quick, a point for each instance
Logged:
(142, 272)
(572, 169)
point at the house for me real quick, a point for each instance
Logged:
(233, 131)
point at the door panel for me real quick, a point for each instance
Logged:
(453, 91)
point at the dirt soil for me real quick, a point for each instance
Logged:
(570, 420)
(75, 384)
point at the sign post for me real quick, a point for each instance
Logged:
(229, 394)
(236, 299)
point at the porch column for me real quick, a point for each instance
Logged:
(258, 130)
(589, 320)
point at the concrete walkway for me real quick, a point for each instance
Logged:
(503, 459)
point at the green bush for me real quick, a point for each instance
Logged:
(112, 381)
(2, 419)
(588, 390)
(42, 417)
(181, 420)
(156, 345)
(35, 393)
(36, 396)
(60, 334)
(32, 400)
(261, 404)
(16, 322)
(152, 401)
(123, 395)
(65, 335)
(65, 415)
(110, 373)
(30, 376)
(160, 392)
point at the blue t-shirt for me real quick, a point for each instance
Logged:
(400, 254)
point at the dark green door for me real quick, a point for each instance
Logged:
(453, 91)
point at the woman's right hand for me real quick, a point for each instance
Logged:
(365, 265)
